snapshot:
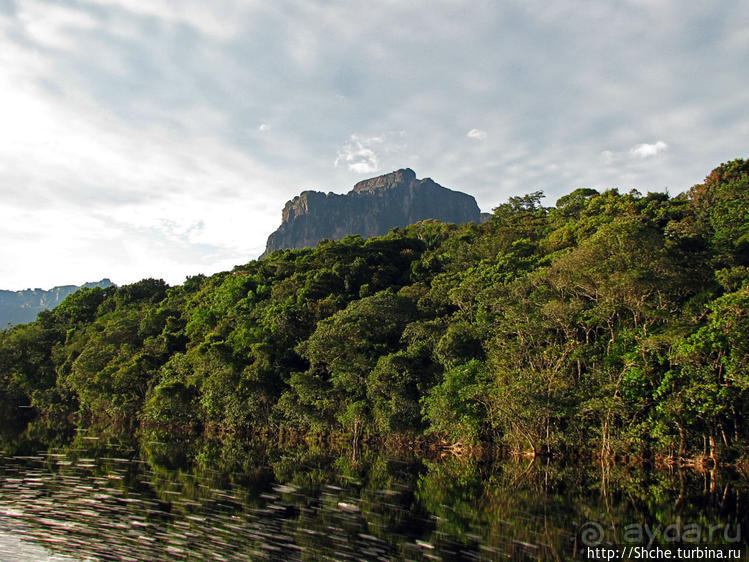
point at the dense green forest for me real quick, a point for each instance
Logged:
(611, 322)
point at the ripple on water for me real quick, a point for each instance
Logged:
(14, 548)
(117, 509)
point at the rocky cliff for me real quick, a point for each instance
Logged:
(372, 208)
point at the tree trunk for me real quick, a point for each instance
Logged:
(682, 441)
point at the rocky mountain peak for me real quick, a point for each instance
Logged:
(405, 176)
(372, 208)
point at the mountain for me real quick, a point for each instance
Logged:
(21, 307)
(372, 208)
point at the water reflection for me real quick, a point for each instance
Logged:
(117, 496)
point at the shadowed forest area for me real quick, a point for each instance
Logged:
(610, 323)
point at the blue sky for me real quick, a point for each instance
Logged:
(155, 138)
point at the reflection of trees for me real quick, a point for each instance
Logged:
(180, 496)
(24, 437)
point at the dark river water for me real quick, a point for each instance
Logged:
(160, 496)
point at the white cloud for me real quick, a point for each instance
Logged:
(87, 195)
(219, 19)
(367, 166)
(358, 154)
(641, 151)
(646, 150)
(477, 134)
(364, 155)
(53, 25)
(157, 148)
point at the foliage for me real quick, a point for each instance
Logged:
(610, 321)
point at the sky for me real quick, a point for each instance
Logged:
(160, 138)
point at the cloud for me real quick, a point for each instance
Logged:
(477, 134)
(163, 128)
(53, 25)
(638, 152)
(358, 154)
(364, 155)
(646, 150)
(221, 19)
(88, 195)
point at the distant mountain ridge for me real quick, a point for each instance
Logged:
(372, 208)
(21, 307)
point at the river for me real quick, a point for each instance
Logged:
(160, 496)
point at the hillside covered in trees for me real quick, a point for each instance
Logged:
(609, 322)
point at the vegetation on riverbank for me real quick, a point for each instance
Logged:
(612, 322)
